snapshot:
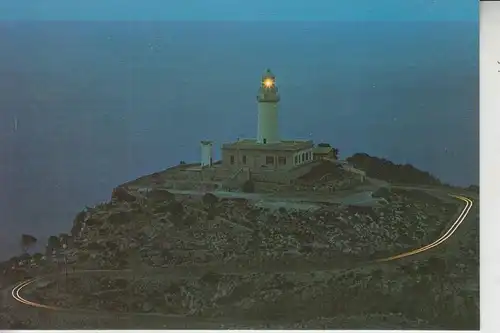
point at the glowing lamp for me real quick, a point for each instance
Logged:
(268, 83)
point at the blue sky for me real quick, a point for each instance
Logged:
(247, 10)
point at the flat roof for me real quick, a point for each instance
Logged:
(252, 144)
(322, 150)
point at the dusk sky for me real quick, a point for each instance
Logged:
(255, 10)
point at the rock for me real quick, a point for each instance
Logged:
(120, 194)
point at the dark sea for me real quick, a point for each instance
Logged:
(86, 106)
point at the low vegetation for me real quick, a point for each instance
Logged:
(248, 186)
(383, 169)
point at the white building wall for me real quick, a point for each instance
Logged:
(267, 124)
(308, 156)
(206, 153)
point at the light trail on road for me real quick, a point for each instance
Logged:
(468, 206)
(444, 237)
(17, 289)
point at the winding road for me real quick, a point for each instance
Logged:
(16, 291)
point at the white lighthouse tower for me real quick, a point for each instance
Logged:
(268, 98)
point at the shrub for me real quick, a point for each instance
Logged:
(92, 221)
(473, 188)
(306, 248)
(27, 241)
(384, 169)
(83, 256)
(210, 199)
(161, 195)
(120, 194)
(121, 283)
(80, 218)
(156, 177)
(248, 186)
(75, 230)
(211, 277)
(95, 246)
(119, 218)
(189, 220)
(53, 242)
(111, 245)
(322, 169)
(211, 214)
(175, 208)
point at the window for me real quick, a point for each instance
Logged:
(269, 160)
(264, 141)
(232, 159)
(296, 159)
(303, 157)
(282, 160)
(244, 159)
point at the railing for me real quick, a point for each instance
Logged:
(227, 183)
(236, 174)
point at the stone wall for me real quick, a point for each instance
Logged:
(325, 188)
(272, 187)
(216, 173)
(205, 174)
(195, 186)
(282, 177)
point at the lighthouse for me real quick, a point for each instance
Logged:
(267, 117)
(268, 152)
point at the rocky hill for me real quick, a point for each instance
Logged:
(244, 266)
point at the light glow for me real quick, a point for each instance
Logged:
(268, 83)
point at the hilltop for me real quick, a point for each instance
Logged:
(260, 260)
(384, 169)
